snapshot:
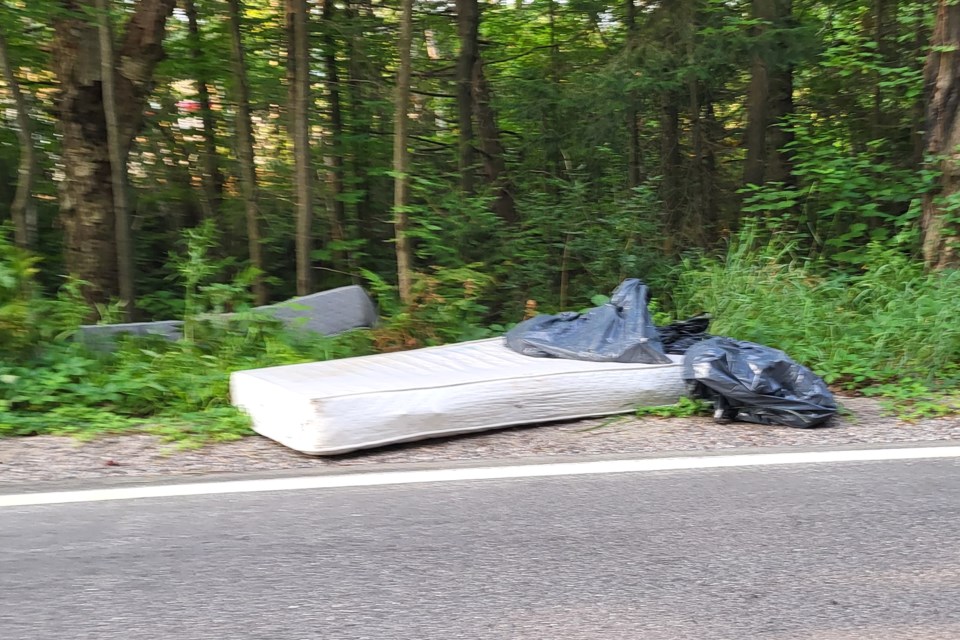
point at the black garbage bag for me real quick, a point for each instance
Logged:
(683, 334)
(750, 382)
(619, 331)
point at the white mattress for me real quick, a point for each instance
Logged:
(336, 406)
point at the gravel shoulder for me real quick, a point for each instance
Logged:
(58, 459)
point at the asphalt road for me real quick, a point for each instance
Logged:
(813, 552)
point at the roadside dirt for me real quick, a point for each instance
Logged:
(56, 459)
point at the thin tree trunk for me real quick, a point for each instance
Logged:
(696, 214)
(671, 167)
(941, 236)
(778, 164)
(468, 21)
(758, 107)
(879, 31)
(554, 153)
(712, 132)
(769, 99)
(118, 162)
(401, 157)
(23, 209)
(360, 125)
(290, 40)
(211, 177)
(245, 154)
(920, 43)
(86, 194)
(301, 147)
(697, 201)
(633, 131)
(333, 158)
(494, 164)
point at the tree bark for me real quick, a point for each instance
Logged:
(245, 154)
(495, 166)
(333, 158)
(696, 215)
(211, 176)
(468, 24)
(86, 194)
(401, 157)
(360, 121)
(118, 162)
(552, 115)
(633, 131)
(941, 232)
(769, 99)
(671, 167)
(700, 205)
(23, 209)
(920, 42)
(303, 191)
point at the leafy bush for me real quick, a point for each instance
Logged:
(50, 383)
(844, 197)
(17, 292)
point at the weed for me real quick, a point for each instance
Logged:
(684, 408)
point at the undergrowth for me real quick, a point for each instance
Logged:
(684, 408)
(53, 383)
(884, 327)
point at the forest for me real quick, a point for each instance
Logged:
(788, 166)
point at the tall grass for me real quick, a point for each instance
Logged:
(888, 321)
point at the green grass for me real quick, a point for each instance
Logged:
(885, 328)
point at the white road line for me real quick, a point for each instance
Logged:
(374, 479)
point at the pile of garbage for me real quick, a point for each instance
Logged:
(744, 380)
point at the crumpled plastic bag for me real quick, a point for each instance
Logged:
(619, 331)
(678, 337)
(754, 383)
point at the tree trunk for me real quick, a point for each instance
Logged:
(245, 155)
(360, 120)
(552, 119)
(211, 177)
(633, 131)
(468, 23)
(401, 157)
(301, 146)
(770, 98)
(334, 153)
(920, 42)
(670, 167)
(696, 214)
(713, 131)
(495, 167)
(941, 235)
(23, 209)
(118, 162)
(86, 194)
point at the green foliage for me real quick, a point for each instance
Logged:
(844, 197)
(178, 390)
(684, 408)
(17, 269)
(597, 239)
(913, 399)
(829, 270)
(447, 307)
(886, 323)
